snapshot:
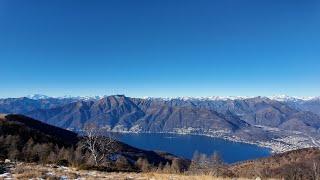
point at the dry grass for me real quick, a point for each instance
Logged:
(34, 171)
(157, 176)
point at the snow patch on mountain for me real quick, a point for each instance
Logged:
(286, 98)
(41, 96)
(37, 96)
(281, 98)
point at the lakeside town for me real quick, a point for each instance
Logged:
(289, 141)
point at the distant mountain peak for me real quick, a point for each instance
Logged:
(37, 96)
(284, 97)
(207, 98)
(187, 98)
(281, 97)
(41, 96)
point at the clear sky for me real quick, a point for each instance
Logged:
(160, 47)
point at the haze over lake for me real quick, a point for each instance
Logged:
(186, 145)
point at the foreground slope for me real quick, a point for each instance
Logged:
(297, 164)
(21, 129)
(301, 164)
(27, 128)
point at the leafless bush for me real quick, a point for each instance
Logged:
(316, 170)
(143, 164)
(99, 144)
(177, 165)
(203, 164)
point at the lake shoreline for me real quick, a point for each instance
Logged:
(274, 146)
(184, 145)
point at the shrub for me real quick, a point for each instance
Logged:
(122, 163)
(143, 164)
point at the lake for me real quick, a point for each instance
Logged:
(186, 145)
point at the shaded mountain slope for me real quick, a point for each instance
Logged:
(154, 114)
(166, 118)
(312, 105)
(121, 113)
(40, 132)
(106, 113)
(255, 111)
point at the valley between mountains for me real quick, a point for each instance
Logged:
(279, 124)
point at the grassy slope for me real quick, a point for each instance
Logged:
(29, 171)
(281, 165)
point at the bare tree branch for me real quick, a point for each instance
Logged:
(100, 144)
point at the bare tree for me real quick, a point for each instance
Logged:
(177, 165)
(316, 170)
(100, 144)
(194, 165)
(143, 164)
(215, 159)
(215, 164)
(203, 164)
(294, 173)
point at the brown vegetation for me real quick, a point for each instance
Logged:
(298, 164)
(35, 171)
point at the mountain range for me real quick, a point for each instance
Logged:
(249, 119)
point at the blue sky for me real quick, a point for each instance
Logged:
(160, 47)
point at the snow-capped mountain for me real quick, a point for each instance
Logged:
(37, 96)
(208, 98)
(286, 98)
(281, 98)
(41, 97)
